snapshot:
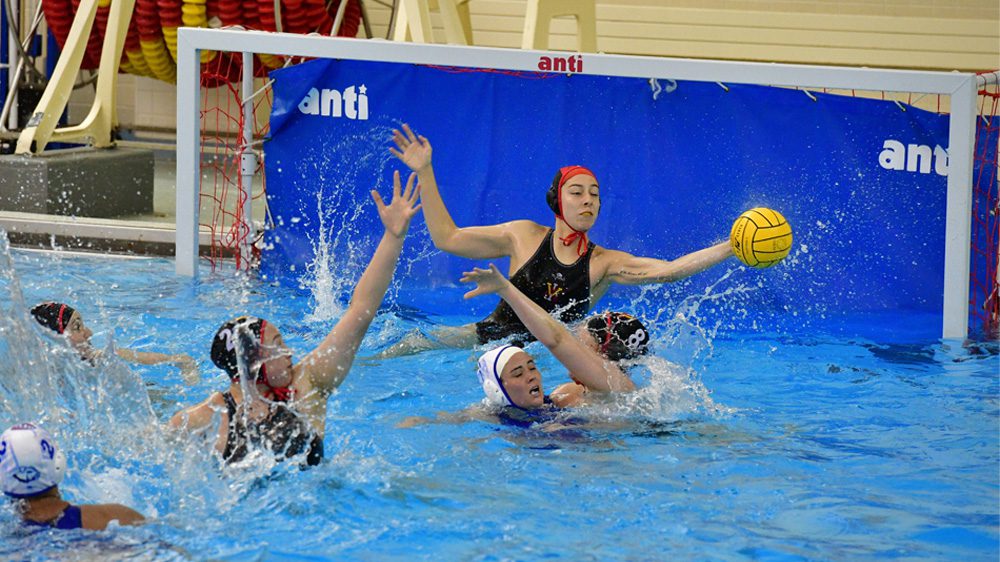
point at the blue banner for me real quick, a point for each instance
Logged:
(863, 182)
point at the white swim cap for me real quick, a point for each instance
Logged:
(491, 364)
(30, 463)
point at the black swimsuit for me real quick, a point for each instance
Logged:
(283, 431)
(557, 288)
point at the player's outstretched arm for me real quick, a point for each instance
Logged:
(328, 364)
(477, 242)
(626, 269)
(586, 366)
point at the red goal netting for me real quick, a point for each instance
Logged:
(984, 301)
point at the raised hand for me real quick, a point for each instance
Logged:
(488, 281)
(413, 150)
(397, 214)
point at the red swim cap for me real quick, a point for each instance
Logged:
(568, 172)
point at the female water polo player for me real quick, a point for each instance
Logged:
(508, 373)
(66, 321)
(281, 405)
(558, 268)
(594, 355)
(31, 468)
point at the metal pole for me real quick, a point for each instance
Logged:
(188, 156)
(339, 19)
(13, 70)
(248, 163)
(958, 225)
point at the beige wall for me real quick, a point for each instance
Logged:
(925, 34)
(921, 34)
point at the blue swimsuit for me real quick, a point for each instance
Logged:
(520, 417)
(70, 518)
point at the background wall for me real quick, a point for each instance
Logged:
(920, 34)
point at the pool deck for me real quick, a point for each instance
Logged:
(95, 234)
(147, 234)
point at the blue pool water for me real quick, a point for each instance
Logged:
(805, 441)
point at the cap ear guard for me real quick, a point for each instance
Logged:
(30, 461)
(491, 388)
(552, 195)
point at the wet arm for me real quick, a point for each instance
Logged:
(97, 517)
(483, 242)
(464, 416)
(197, 417)
(184, 362)
(631, 270)
(587, 367)
(328, 364)
(148, 357)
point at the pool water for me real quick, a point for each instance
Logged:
(746, 441)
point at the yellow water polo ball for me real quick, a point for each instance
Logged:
(761, 237)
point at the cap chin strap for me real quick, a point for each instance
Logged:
(578, 236)
(274, 393)
(277, 393)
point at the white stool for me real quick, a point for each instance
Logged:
(413, 21)
(538, 16)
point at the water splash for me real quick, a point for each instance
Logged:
(669, 379)
(100, 414)
(342, 247)
(320, 278)
(673, 393)
(686, 328)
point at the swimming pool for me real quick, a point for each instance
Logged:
(795, 440)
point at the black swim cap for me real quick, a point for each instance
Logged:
(620, 336)
(243, 333)
(53, 315)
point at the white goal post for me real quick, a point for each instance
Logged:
(961, 87)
